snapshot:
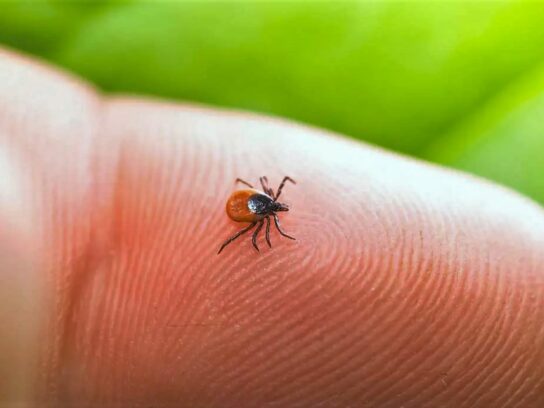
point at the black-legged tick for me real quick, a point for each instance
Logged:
(256, 207)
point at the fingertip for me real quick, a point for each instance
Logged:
(403, 271)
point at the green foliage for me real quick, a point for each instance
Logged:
(458, 82)
(504, 140)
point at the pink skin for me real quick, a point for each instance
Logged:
(408, 285)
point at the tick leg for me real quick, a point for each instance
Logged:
(277, 222)
(228, 241)
(267, 235)
(254, 238)
(239, 180)
(266, 189)
(286, 178)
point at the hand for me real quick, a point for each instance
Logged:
(408, 285)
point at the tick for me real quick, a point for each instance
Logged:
(256, 207)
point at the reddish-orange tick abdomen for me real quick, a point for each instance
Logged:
(237, 206)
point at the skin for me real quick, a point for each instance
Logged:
(409, 285)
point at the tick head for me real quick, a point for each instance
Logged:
(281, 207)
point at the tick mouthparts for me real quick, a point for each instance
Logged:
(282, 207)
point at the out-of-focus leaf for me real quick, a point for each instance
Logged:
(503, 141)
(39, 26)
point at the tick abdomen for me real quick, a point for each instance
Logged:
(247, 205)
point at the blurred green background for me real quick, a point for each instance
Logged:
(458, 83)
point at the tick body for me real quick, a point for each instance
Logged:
(256, 207)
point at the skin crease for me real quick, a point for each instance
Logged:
(409, 285)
